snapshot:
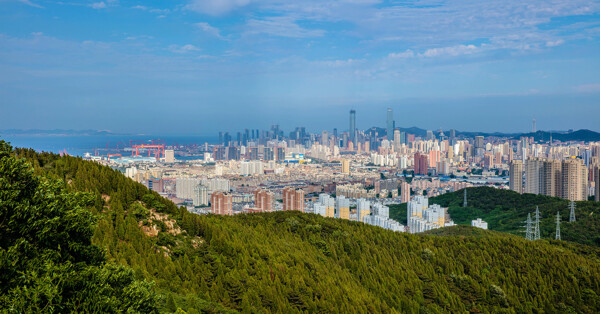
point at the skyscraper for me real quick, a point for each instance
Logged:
(516, 176)
(352, 129)
(390, 124)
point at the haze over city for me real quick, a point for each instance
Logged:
(194, 67)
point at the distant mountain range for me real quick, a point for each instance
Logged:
(582, 135)
(57, 132)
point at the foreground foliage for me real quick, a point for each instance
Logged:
(47, 261)
(291, 262)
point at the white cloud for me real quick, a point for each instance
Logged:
(555, 43)
(405, 54)
(339, 63)
(98, 5)
(31, 4)
(216, 7)
(183, 49)
(281, 26)
(450, 51)
(588, 88)
(205, 27)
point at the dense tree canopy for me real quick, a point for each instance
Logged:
(47, 260)
(292, 262)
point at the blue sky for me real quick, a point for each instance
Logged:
(200, 66)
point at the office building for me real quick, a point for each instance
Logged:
(390, 124)
(352, 129)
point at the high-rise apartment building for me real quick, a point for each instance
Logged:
(169, 155)
(363, 208)
(405, 192)
(574, 180)
(551, 178)
(280, 155)
(200, 196)
(293, 199)
(342, 207)
(597, 182)
(421, 162)
(345, 166)
(516, 176)
(268, 154)
(533, 175)
(566, 179)
(221, 203)
(263, 200)
(325, 206)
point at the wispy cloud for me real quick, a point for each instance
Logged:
(450, 51)
(205, 27)
(184, 49)
(401, 55)
(216, 7)
(31, 4)
(555, 43)
(281, 26)
(98, 5)
(588, 88)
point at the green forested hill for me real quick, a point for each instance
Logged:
(291, 262)
(506, 211)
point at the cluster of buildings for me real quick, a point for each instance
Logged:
(271, 170)
(565, 178)
(422, 217)
(365, 211)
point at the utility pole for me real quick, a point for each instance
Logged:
(572, 208)
(557, 225)
(528, 231)
(536, 230)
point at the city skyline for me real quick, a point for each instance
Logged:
(197, 66)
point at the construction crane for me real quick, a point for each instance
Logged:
(157, 147)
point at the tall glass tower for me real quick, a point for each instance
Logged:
(390, 124)
(352, 129)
